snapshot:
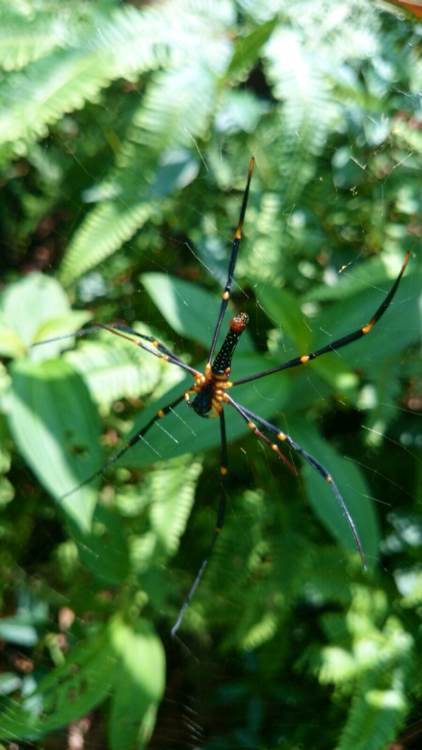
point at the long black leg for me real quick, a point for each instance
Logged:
(282, 437)
(338, 343)
(156, 347)
(232, 263)
(131, 442)
(221, 512)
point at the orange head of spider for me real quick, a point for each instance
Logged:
(239, 323)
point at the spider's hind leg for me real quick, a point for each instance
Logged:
(251, 419)
(221, 513)
(139, 435)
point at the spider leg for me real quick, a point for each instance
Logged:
(221, 512)
(251, 419)
(131, 442)
(338, 343)
(232, 262)
(153, 346)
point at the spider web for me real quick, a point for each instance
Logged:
(200, 679)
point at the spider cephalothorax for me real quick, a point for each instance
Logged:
(210, 387)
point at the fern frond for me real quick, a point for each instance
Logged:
(37, 97)
(379, 705)
(24, 40)
(172, 487)
(115, 371)
(308, 112)
(113, 222)
(176, 108)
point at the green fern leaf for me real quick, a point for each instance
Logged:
(35, 99)
(115, 370)
(379, 705)
(115, 221)
(24, 40)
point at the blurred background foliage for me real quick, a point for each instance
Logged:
(125, 134)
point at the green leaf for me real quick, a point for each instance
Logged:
(399, 327)
(56, 428)
(190, 310)
(32, 309)
(247, 49)
(66, 694)
(284, 310)
(355, 279)
(351, 484)
(139, 686)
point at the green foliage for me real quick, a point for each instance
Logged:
(125, 134)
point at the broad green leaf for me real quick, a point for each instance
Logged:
(357, 278)
(284, 310)
(247, 49)
(33, 309)
(351, 484)
(56, 428)
(400, 326)
(11, 345)
(189, 309)
(139, 685)
(66, 693)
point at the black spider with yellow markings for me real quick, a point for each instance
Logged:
(209, 394)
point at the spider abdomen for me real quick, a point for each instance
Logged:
(202, 403)
(209, 398)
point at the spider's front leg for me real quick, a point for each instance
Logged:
(141, 340)
(232, 263)
(333, 346)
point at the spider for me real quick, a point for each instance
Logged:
(211, 390)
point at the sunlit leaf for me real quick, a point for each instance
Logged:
(56, 427)
(190, 310)
(139, 684)
(351, 484)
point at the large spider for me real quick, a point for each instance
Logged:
(209, 394)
